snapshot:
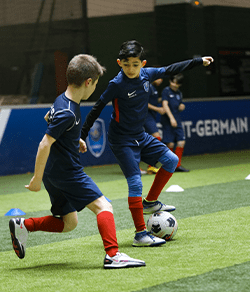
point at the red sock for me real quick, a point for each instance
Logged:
(47, 223)
(179, 152)
(172, 149)
(106, 226)
(136, 209)
(161, 178)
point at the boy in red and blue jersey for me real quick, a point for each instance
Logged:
(129, 94)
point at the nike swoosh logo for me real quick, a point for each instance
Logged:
(131, 94)
(78, 122)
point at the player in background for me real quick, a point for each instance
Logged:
(173, 133)
(58, 166)
(129, 93)
(151, 123)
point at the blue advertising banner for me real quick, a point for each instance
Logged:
(216, 125)
(22, 129)
(210, 126)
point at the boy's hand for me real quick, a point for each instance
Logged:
(34, 185)
(46, 117)
(173, 122)
(181, 107)
(161, 111)
(207, 61)
(83, 146)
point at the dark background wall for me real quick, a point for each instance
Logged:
(171, 33)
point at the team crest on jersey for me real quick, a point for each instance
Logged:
(146, 86)
(96, 140)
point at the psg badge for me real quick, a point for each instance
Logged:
(146, 86)
(96, 140)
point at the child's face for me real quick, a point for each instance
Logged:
(174, 85)
(132, 66)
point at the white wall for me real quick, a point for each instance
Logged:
(118, 7)
(26, 11)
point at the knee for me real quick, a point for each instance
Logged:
(169, 161)
(70, 225)
(108, 207)
(175, 160)
(134, 185)
(181, 144)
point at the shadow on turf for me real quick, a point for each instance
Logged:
(129, 245)
(60, 266)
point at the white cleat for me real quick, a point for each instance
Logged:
(121, 260)
(145, 238)
(19, 236)
(156, 206)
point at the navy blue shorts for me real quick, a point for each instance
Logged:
(150, 124)
(148, 150)
(69, 195)
(171, 134)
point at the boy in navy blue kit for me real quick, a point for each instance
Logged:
(173, 133)
(129, 93)
(58, 166)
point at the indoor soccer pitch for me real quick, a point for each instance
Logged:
(210, 252)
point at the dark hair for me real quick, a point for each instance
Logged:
(179, 78)
(82, 67)
(131, 49)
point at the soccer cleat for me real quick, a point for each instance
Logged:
(19, 236)
(121, 260)
(145, 238)
(143, 171)
(181, 169)
(152, 170)
(152, 207)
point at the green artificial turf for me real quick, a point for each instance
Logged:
(210, 252)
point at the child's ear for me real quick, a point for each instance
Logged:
(119, 62)
(144, 62)
(88, 81)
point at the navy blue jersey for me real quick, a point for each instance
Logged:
(153, 99)
(130, 101)
(174, 99)
(64, 125)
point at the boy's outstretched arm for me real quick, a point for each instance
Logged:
(187, 65)
(91, 117)
(41, 160)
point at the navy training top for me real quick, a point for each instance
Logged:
(174, 99)
(64, 125)
(153, 99)
(130, 101)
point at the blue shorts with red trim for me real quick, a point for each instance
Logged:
(129, 154)
(171, 134)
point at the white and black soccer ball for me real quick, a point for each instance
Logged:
(162, 224)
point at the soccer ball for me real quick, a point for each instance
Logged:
(162, 224)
